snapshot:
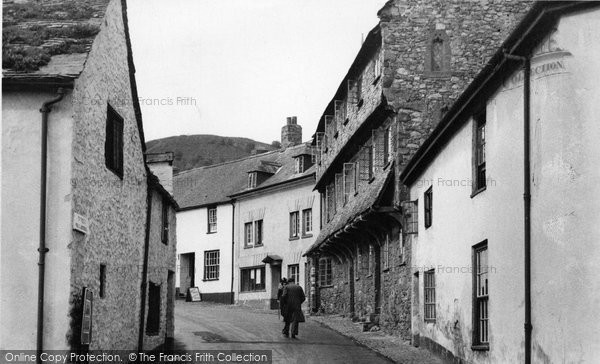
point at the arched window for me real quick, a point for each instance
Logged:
(437, 55)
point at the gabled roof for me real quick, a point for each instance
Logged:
(219, 183)
(48, 41)
(529, 32)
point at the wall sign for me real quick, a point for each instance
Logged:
(194, 294)
(86, 317)
(81, 223)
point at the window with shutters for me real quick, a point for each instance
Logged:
(349, 181)
(113, 144)
(411, 217)
(480, 297)
(429, 293)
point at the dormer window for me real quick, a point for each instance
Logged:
(300, 164)
(252, 180)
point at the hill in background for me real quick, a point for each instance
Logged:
(193, 151)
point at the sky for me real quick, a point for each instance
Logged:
(240, 67)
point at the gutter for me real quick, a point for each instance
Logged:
(42, 249)
(232, 247)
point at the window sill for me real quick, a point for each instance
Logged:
(387, 164)
(260, 290)
(326, 286)
(480, 347)
(476, 192)
(152, 333)
(376, 79)
(369, 275)
(294, 238)
(211, 232)
(385, 270)
(429, 321)
(402, 264)
(209, 280)
(307, 236)
(258, 245)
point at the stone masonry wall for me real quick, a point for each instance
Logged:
(116, 207)
(472, 30)
(161, 260)
(336, 298)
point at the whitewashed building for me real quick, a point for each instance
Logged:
(504, 202)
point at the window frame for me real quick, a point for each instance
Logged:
(300, 164)
(294, 225)
(211, 221)
(209, 262)
(165, 221)
(248, 235)
(255, 287)
(290, 273)
(102, 285)
(154, 303)
(477, 342)
(258, 232)
(479, 155)
(429, 296)
(307, 226)
(325, 272)
(114, 141)
(428, 207)
(252, 178)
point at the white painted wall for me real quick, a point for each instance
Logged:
(192, 237)
(565, 214)
(21, 157)
(277, 203)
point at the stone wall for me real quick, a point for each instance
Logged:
(116, 207)
(161, 261)
(336, 298)
(471, 30)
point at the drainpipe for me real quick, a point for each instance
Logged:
(42, 249)
(526, 198)
(232, 248)
(144, 285)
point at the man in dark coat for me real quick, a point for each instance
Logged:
(292, 298)
(282, 283)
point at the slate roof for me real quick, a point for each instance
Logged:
(218, 183)
(48, 41)
(366, 199)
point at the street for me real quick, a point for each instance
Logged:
(204, 326)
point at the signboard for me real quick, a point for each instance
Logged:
(194, 294)
(86, 317)
(81, 223)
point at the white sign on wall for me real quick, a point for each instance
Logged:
(81, 223)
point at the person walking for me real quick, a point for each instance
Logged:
(282, 283)
(292, 298)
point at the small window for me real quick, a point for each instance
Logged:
(113, 145)
(165, 221)
(480, 297)
(366, 166)
(429, 290)
(253, 279)
(258, 232)
(212, 220)
(349, 181)
(479, 149)
(306, 221)
(428, 207)
(294, 272)
(410, 212)
(300, 164)
(153, 321)
(294, 224)
(325, 272)
(102, 290)
(248, 234)
(252, 180)
(211, 265)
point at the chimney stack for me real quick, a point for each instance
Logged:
(161, 165)
(291, 133)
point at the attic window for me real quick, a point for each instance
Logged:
(252, 180)
(300, 164)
